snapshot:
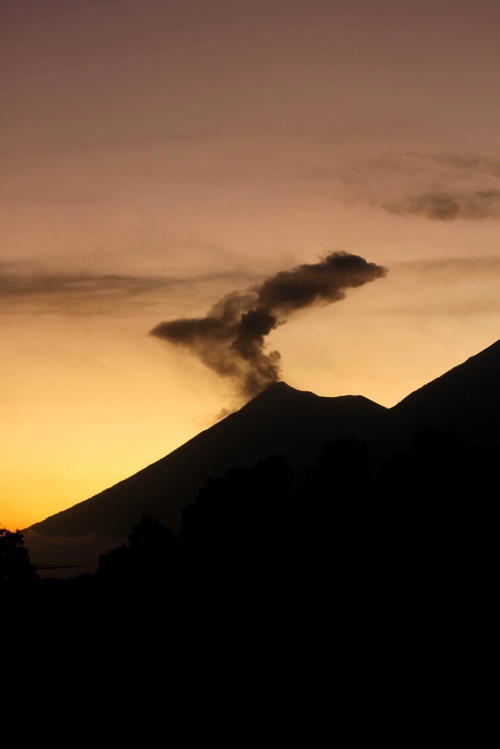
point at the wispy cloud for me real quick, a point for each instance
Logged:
(466, 163)
(455, 286)
(437, 186)
(448, 205)
(27, 289)
(454, 267)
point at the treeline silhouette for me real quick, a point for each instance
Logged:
(419, 524)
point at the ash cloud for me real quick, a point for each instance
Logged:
(231, 338)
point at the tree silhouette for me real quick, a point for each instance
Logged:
(234, 534)
(147, 559)
(16, 569)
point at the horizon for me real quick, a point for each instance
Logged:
(157, 159)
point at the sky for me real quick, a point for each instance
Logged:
(157, 156)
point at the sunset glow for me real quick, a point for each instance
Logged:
(157, 156)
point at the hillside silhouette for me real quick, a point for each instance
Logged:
(350, 538)
(466, 400)
(367, 551)
(454, 418)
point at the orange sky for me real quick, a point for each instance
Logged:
(157, 155)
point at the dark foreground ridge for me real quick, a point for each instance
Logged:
(279, 421)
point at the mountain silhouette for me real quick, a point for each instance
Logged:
(279, 421)
(465, 400)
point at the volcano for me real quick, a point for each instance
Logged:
(279, 421)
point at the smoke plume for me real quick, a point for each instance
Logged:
(231, 338)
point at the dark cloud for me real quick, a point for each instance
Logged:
(35, 290)
(231, 338)
(448, 205)
(22, 284)
(438, 186)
